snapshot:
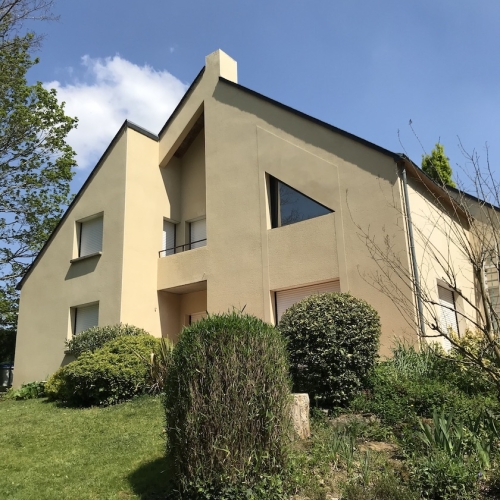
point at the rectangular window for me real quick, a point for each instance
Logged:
(289, 206)
(90, 236)
(448, 313)
(287, 298)
(85, 317)
(193, 318)
(492, 280)
(168, 238)
(198, 233)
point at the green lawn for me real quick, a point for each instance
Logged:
(49, 452)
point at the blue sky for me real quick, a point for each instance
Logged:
(366, 66)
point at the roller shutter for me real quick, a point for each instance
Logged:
(448, 314)
(286, 298)
(168, 238)
(86, 317)
(91, 236)
(198, 236)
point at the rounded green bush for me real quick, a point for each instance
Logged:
(114, 373)
(94, 338)
(333, 340)
(227, 404)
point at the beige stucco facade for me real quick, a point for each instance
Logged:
(213, 159)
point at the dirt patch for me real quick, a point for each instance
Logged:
(378, 446)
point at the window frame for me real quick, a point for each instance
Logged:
(443, 310)
(200, 243)
(275, 205)
(79, 233)
(174, 248)
(74, 316)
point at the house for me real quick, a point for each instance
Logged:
(238, 202)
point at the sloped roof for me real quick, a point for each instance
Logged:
(126, 124)
(397, 157)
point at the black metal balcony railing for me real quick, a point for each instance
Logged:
(181, 248)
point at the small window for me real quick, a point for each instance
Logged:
(85, 317)
(448, 313)
(168, 238)
(90, 236)
(198, 233)
(289, 206)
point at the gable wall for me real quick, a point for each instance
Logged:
(247, 137)
(439, 253)
(55, 285)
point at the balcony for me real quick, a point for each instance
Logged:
(182, 248)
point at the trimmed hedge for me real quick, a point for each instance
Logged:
(333, 340)
(94, 338)
(227, 405)
(109, 375)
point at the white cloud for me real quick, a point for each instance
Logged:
(112, 90)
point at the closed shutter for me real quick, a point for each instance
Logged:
(168, 238)
(448, 314)
(193, 318)
(91, 236)
(287, 298)
(86, 317)
(198, 233)
(493, 285)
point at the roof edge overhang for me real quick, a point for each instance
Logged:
(185, 97)
(126, 125)
(439, 193)
(395, 156)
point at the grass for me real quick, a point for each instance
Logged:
(50, 453)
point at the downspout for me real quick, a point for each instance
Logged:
(416, 277)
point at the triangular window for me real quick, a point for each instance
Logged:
(289, 205)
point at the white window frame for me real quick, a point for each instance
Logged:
(91, 309)
(97, 232)
(446, 313)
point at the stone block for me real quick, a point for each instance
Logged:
(300, 415)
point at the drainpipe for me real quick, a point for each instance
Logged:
(416, 277)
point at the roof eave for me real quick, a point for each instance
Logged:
(126, 124)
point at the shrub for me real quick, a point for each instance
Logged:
(333, 340)
(439, 476)
(109, 375)
(31, 390)
(157, 364)
(227, 404)
(396, 398)
(94, 338)
(384, 487)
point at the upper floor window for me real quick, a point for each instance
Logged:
(90, 236)
(289, 205)
(198, 233)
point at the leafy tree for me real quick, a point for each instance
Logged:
(35, 160)
(437, 166)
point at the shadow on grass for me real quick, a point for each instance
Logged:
(152, 480)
